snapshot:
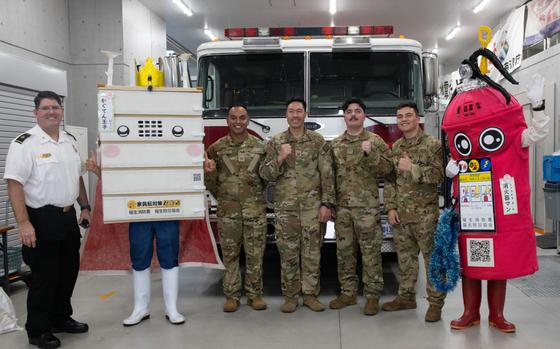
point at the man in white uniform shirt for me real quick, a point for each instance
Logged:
(43, 170)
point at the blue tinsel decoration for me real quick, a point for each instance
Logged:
(444, 262)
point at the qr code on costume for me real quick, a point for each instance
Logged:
(480, 252)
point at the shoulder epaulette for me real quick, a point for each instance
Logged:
(22, 137)
(71, 135)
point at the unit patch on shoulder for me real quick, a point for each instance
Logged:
(21, 138)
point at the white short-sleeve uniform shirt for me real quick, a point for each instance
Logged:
(48, 170)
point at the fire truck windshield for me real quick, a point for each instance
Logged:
(262, 82)
(382, 80)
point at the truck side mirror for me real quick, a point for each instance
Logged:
(430, 79)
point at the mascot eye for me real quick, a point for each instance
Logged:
(462, 144)
(491, 139)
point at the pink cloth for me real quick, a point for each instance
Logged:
(107, 246)
(494, 131)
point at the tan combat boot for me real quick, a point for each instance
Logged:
(256, 303)
(313, 303)
(399, 304)
(433, 314)
(231, 305)
(372, 306)
(290, 305)
(342, 301)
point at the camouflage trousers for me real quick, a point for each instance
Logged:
(299, 237)
(359, 227)
(410, 239)
(251, 233)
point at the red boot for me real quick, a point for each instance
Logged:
(496, 301)
(471, 300)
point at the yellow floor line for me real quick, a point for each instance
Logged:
(106, 296)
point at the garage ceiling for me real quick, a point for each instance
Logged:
(427, 21)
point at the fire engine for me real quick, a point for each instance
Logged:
(264, 67)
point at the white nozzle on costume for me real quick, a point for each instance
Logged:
(111, 56)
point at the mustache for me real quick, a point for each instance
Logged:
(353, 117)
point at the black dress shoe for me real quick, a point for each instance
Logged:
(45, 341)
(70, 326)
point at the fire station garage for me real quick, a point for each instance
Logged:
(279, 174)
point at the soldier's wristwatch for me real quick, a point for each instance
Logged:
(85, 207)
(327, 205)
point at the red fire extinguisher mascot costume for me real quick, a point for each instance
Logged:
(488, 140)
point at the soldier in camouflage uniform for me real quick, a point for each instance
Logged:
(411, 201)
(299, 161)
(232, 176)
(360, 158)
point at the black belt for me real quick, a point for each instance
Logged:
(64, 209)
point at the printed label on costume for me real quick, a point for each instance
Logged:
(151, 207)
(105, 112)
(480, 252)
(476, 197)
(509, 196)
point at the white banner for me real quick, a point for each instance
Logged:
(507, 44)
(543, 20)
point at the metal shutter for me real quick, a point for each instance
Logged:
(16, 117)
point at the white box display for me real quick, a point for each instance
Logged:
(152, 181)
(133, 208)
(152, 153)
(122, 155)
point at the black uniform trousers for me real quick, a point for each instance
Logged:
(54, 264)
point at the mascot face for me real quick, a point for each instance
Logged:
(480, 124)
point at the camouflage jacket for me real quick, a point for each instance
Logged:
(355, 173)
(305, 178)
(236, 183)
(414, 193)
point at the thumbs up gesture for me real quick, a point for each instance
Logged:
(209, 164)
(91, 164)
(405, 164)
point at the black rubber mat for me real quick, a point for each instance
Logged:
(544, 283)
(547, 241)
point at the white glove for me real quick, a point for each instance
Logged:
(537, 131)
(535, 93)
(452, 169)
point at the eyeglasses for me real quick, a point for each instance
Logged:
(51, 108)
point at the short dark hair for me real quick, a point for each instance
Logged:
(235, 105)
(353, 100)
(297, 99)
(46, 95)
(409, 105)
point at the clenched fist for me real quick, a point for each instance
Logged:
(285, 151)
(366, 147)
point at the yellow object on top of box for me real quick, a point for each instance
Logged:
(150, 75)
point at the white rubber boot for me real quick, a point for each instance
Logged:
(142, 283)
(170, 283)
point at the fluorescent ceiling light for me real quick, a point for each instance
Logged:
(332, 7)
(210, 35)
(480, 6)
(183, 7)
(452, 33)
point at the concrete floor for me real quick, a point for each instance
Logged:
(104, 301)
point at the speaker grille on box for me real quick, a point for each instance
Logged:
(150, 128)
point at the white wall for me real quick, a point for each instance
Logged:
(144, 33)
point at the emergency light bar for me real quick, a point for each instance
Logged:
(233, 33)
